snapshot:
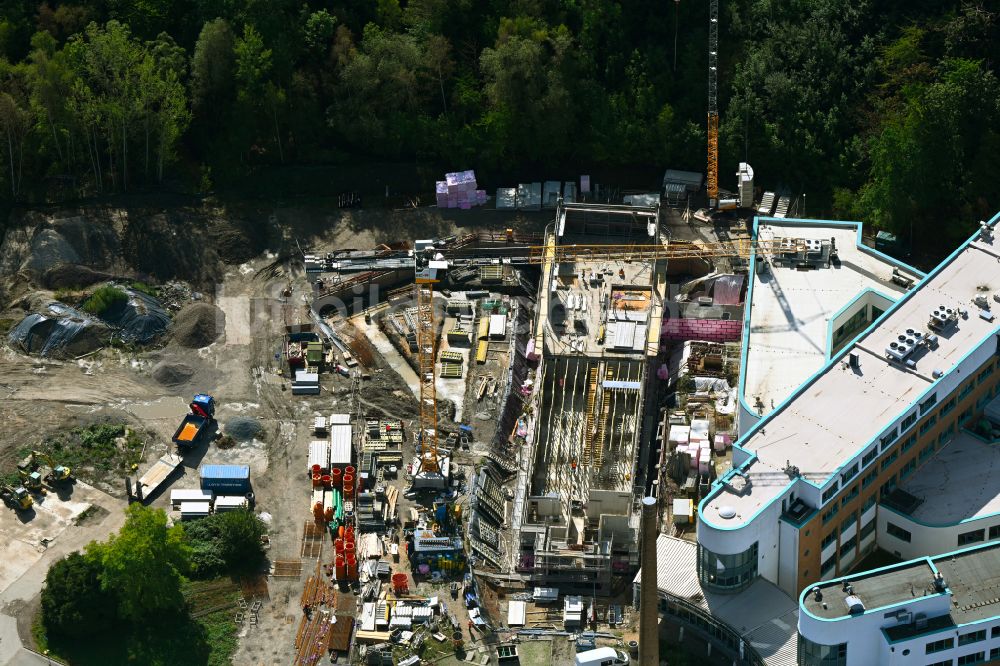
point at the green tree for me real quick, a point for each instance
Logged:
(213, 68)
(932, 166)
(143, 564)
(74, 603)
(226, 542)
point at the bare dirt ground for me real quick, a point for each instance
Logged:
(241, 260)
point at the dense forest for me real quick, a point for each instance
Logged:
(886, 111)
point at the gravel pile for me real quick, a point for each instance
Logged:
(243, 428)
(172, 374)
(198, 325)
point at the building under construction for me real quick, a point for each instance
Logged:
(576, 500)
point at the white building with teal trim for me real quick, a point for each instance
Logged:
(845, 461)
(942, 610)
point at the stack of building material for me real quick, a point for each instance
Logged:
(700, 445)
(451, 365)
(458, 190)
(680, 436)
(529, 196)
(305, 383)
(766, 204)
(506, 198)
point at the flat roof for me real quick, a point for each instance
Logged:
(971, 576)
(878, 589)
(958, 483)
(791, 309)
(809, 430)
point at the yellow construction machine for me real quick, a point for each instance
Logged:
(32, 478)
(17, 498)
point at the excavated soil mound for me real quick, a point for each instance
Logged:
(172, 374)
(70, 276)
(198, 325)
(243, 428)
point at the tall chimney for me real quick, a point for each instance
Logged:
(649, 614)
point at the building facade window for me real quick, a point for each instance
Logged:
(928, 403)
(850, 495)
(850, 473)
(814, 654)
(888, 460)
(908, 421)
(898, 532)
(727, 573)
(829, 515)
(927, 452)
(888, 438)
(869, 503)
(974, 658)
(908, 468)
(938, 646)
(868, 529)
(972, 637)
(847, 547)
(928, 424)
(909, 442)
(828, 565)
(995, 534)
(868, 457)
(888, 486)
(828, 539)
(975, 536)
(830, 492)
(946, 662)
(948, 406)
(869, 478)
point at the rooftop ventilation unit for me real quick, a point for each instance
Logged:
(904, 344)
(939, 584)
(854, 604)
(942, 318)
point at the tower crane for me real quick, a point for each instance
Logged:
(713, 103)
(432, 258)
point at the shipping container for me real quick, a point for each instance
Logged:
(179, 495)
(231, 479)
(225, 503)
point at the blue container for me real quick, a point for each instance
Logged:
(234, 478)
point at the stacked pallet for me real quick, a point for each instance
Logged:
(459, 190)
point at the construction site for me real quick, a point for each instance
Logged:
(464, 430)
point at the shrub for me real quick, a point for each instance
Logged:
(103, 299)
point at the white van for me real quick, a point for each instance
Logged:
(604, 656)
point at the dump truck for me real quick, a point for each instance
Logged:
(197, 422)
(16, 498)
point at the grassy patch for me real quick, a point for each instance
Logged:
(6, 325)
(210, 639)
(147, 289)
(103, 299)
(96, 452)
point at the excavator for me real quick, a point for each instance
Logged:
(32, 478)
(17, 498)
